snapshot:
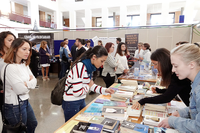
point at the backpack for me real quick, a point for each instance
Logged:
(59, 89)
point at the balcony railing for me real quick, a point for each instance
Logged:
(19, 18)
(48, 24)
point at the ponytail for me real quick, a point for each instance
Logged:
(147, 46)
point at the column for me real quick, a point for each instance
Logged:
(72, 19)
(58, 19)
(189, 11)
(123, 15)
(143, 14)
(104, 17)
(88, 18)
(33, 12)
(165, 13)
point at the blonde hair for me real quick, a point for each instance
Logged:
(42, 44)
(188, 53)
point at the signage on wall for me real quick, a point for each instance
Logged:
(131, 42)
(38, 37)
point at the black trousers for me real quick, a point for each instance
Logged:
(109, 80)
(119, 81)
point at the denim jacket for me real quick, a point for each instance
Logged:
(189, 120)
(61, 52)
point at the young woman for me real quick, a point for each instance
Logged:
(44, 59)
(6, 38)
(79, 80)
(18, 82)
(88, 44)
(186, 64)
(64, 64)
(146, 53)
(138, 54)
(109, 66)
(120, 57)
(100, 43)
(161, 61)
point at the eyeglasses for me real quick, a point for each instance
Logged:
(154, 64)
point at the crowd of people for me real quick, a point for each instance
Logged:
(179, 70)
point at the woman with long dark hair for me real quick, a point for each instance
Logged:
(120, 57)
(19, 80)
(79, 80)
(161, 60)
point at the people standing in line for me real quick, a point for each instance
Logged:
(80, 82)
(138, 54)
(34, 60)
(73, 51)
(44, 60)
(185, 62)
(6, 39)
(88, 42)
(161, 61)
(146, 53)
(19, 80)
(120, 57)
(65, 65)
(80, 49)
(66, 41)
(100, 43)
(109, 66)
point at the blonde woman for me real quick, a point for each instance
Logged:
(185, 62)
(44, 59)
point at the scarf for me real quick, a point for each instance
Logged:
(90, 68)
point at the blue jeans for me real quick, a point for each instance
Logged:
(28, 116)
(72, 107)
(64, 67)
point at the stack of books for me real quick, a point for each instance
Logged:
(83, 127)
(134, 112)
(94, 109)
(122, 94)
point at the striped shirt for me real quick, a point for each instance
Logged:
(79, 79)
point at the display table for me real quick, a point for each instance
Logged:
(100, 96)
(140, 79)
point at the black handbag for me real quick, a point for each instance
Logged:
(64, 58)
(20, 127)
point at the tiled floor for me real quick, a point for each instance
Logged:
(50, 117)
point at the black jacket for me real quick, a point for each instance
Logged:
(181, 87)
(73, 52)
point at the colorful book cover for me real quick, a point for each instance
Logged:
(95, 128)
(116, 89)
(141, 128)
(164, 130)
(113, 111)
(101, 100)
(94, 108)
(114, 104)
(117, 86)
(81, 127)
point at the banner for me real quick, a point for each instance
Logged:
(38, 37)
(131, 42)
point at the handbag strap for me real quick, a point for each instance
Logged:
(4, 87)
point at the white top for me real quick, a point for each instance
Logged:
(2, 63)
(16, 75)
(147, 56)
(137, 54)
(122, 63)
(79, 79)
(86, 48)
(68, 51)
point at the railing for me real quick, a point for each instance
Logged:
(48, 24)
(19, 18)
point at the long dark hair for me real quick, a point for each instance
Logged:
(147, 46)
(16, 44)
(119, 50)
(162, 55)
(98, 50)
(3, 35)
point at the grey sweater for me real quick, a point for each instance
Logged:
(109, 66)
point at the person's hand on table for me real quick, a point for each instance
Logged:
(176, 114)
(136, 105)
(164, 123)
(153, 89)
(111, 91)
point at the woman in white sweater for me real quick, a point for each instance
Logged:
(146, 54)
(121, 59)
(79, 80)
(18, 82)
(138, 54)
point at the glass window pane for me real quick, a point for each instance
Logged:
(128, 21)
(135, 20)
(155, 19)
(110, 22)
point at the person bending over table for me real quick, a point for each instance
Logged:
(79, 80)
(161, 60)
(186, 64)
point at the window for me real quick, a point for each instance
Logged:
(99, 21)
(157, 18)
(133, 20)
